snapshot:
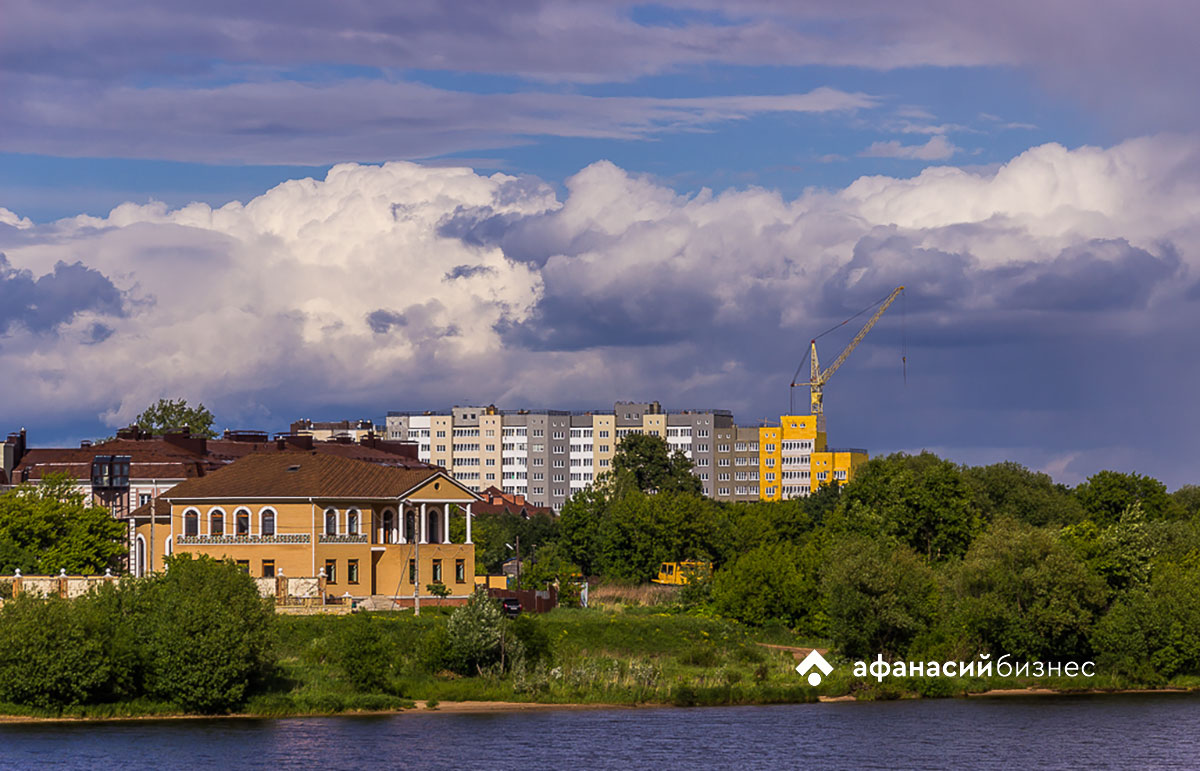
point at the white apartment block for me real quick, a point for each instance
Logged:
(549, 455)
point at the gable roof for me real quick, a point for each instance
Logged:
(310, 474)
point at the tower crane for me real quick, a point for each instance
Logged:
(817, 378)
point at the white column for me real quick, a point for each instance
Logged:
(469, 524)
(421, 525)
(445, 523)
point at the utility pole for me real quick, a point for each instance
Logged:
(518, 562)
(150, 547)
(417, 564)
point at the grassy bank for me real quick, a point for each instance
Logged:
(620, 656)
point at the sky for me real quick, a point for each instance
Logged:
(332, 210)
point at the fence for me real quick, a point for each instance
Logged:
(539, 601)
(286, 590)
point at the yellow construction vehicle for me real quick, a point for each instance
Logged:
(680, 573)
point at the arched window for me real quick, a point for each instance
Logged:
(216, 522)
(352, 522)
(389, 527)
(410, 526)
(433, 525)
(241, 519)
(139, 568)
(191, 522)
(170, 546)
(331, 522)
(266, 522)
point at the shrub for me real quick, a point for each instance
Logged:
(208, 635)
(533, 638)
(48, 659)
(479, 636)
(764, 584)
(365, 655)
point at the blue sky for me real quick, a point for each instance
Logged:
(686, 191)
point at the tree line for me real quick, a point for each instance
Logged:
(916, 556)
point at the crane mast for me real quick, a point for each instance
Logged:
(818, 379)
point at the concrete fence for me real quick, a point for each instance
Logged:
(286, 590)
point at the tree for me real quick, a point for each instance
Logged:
(1153, 633)
(46, 528)
(1021, 590)
(1188, 499)
(764, 584)
(169, 415)
(48, 658)
(879, 596)
(209, 636)
(1107, 494)
(920, 499)
(646, 462)
(1009, 489)
(479, 636)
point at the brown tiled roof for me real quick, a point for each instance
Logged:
(496, 502)
(159, 459)
(162, 510)
(302, 474)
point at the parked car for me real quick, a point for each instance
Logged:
(511, 606)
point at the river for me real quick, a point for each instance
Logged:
(1131, 731)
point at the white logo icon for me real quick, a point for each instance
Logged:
(814, 659)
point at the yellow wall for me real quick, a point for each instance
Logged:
(799, 428)
(829, 463)
(601, 458)
(382, 567)
(769, 457)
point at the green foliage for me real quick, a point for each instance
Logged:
(533, 638)
(438, 590)
(367, 658)
(1010, 490)
(879, 597)
(765, 584)
(550, 565)
(1022, 590)
(46, 528)
(1120, 553)
(1187, 498)
(491, 533)
(920, 499)
(168, 415)
(645, 462)
(48, 657)
(1106, 495)
(479, 636)
(209, 634)
(1153, 633)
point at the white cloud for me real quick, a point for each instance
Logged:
(938, 148)
(490, 289)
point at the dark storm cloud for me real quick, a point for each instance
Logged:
(467, 271)
(44, 303)
(1100, 275)
(381, 321)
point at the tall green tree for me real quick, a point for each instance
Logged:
(168, 415)
(647, 463)
(46, 528)
(1022, 590)
(1107, 494)
(1009, 489)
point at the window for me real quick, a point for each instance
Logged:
(539, 461)
(352, 522)
(703, 477)
(441, 448)
(412, 571)
(241, 520)
(559, 464)
(331, 571)
(604, 448)
(822, 475)
(352, 571)
(723, 491)
(604, 462)
(603, 434)
(191, 522)
(768, 448)
(441, 434)
(244, 566)
(143, 499)
(267, 525)
(723, 461)
(538, 433)
(216, 522)
(268, 568)
(331, 522)
(460, 571)
(437, 571)
(839, 474)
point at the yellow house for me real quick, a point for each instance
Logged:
(368, 529)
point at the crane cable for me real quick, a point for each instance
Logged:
(834, 328)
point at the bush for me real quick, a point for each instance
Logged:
(533, 638)
(365, 655)
(48, 659)
(763, 585)
(1153, 634)
(479, 636)
(208, 635)
(879, 597)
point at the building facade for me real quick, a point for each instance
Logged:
(367, 529)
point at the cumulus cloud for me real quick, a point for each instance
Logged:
(46, 303)
(402, 286)
(938, 148)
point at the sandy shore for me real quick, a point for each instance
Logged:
(485, 707)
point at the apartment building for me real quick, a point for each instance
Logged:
(549, 455)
